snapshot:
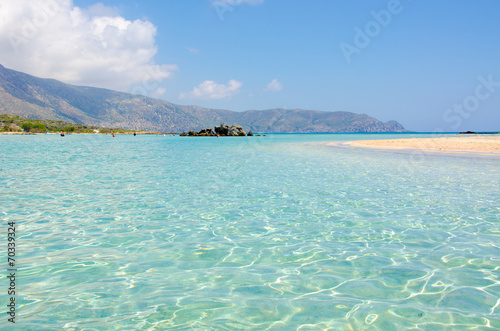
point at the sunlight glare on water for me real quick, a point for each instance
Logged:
(278, 232)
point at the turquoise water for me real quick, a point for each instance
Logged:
(279, 232)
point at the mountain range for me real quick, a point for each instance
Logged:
(38, 98)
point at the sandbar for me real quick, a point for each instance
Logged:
(478, 143)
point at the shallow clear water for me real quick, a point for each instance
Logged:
(278, 232)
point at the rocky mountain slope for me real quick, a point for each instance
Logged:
(32, 97)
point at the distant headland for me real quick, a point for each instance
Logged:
(37, 98)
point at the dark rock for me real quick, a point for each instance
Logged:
(236, 130)
(233, 130)
(202, 133)
(222, 129)
(207, 132)
(250, 134)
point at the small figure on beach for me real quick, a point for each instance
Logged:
(113, 134)
(62, 133)
(135, 134)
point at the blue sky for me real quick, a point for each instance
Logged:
(430, 65)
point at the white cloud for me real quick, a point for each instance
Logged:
(211, 90)
(94, 46)
(273, 86)
(193, 50)
(223, 3)
(100, 9)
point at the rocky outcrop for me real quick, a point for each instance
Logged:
(222, 130)
(233, 130)
(204, 132)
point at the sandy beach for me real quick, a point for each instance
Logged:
(476, 143)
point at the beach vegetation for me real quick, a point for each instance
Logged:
(34, 127)
(14, 123)
(27, 127)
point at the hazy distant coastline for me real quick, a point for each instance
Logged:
(36, 98)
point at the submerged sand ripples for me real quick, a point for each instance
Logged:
(176, 233)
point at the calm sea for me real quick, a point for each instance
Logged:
(279, 232)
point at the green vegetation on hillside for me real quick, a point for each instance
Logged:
(33, 97)
(14, 123)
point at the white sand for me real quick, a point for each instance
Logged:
(483, 144)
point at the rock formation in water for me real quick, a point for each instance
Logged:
(222, 130)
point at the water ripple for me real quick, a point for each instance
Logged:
(281, 233)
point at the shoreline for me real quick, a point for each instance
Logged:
(478, 144)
